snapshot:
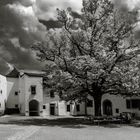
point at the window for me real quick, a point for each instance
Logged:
(89, 103)
(1, 91)
(117, 110)
(16, 105)
(16, 93)
(133, 103)
(128, 104)
(68, 108)
(78, 107)
(52, 94)
(33, 90)
(44, 106)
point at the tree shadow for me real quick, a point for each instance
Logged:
(61, 122)
(75, 123)
(136, 123)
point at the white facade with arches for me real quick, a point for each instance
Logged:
(25, 95)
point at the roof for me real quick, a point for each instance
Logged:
(13, 74)
(33, 73)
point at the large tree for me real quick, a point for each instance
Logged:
(94, 53)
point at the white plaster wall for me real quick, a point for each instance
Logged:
(3, 86)
(37, 81)
(47, 98)
(74, 110)
(46, 112)
(136, 111)
(90, 110)
(22, 94)
(12, 87)
(2, 105)
(63, 108)
(60, 108)
(3, 93)
(60, 105)
(118, 102)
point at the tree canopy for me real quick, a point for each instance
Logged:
(94, 53)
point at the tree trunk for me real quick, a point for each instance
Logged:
(97, 105)
(85, 107)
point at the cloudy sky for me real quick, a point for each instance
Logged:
(20, 27)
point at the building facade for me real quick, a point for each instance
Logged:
(3, 94)
(21, 91)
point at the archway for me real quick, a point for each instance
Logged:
(107, 108)
(34, 108)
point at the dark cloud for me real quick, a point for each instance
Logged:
(23, 26)
(19, 57)
(23, 2)
(51, 23)
(121, 4)
(131, 8)
(18, 21)
(4, 2)
(55, 23)
(46, 9)
(4, 67)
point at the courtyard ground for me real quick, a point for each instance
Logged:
(37, 128)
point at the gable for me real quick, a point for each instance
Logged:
(13, 74)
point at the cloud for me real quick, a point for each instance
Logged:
(4, 68)
(19, 25)
(23, 2)
(46, 9)
(21, 57)
(127, 4)
(21, 22)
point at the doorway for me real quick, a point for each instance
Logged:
(33, 108)
(52, 109)
(107, 108)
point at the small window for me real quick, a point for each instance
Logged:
(128, 104)
(78, 107)
(44, 106)
(133, 103)
(68, 108)
(89, 103)
(1, 91)
(16, 105)
(16, 93)
(117, 110)
(0, 104)
(33, 90)
(52, 94)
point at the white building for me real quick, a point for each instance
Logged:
(25, 92)
(25, 95)
(3, 93)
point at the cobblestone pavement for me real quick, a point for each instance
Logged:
(22, 128)
(25, 133)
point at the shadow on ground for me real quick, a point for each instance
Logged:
(75, 123)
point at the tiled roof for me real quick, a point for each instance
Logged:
(13, 74)
(33, 73)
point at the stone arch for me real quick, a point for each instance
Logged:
(107, 107)
(33, 108)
